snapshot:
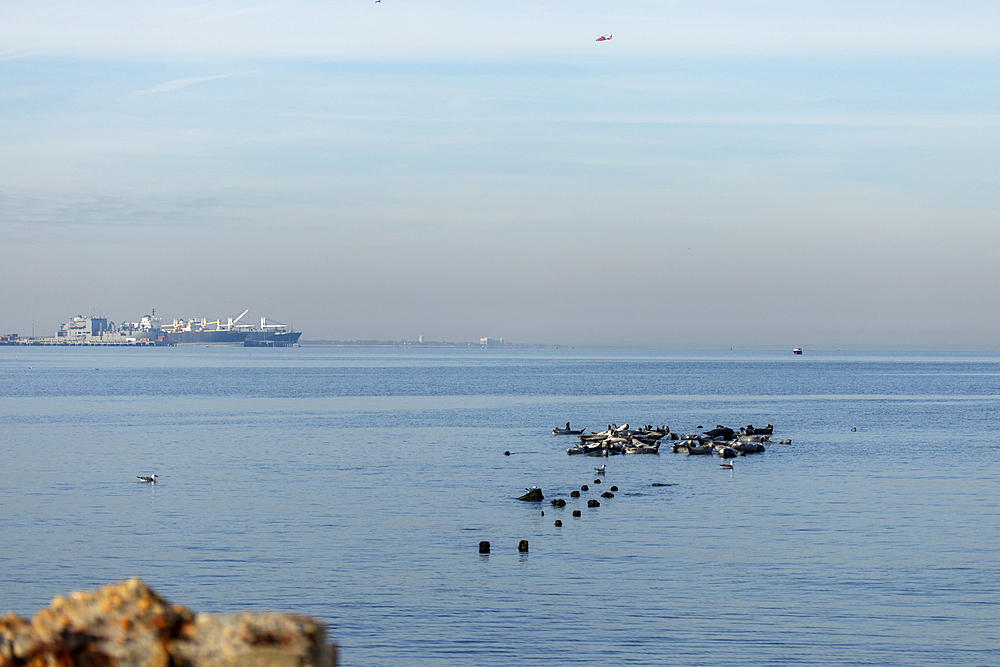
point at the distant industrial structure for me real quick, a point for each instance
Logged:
(490, 341)
(151, 330)
(80, 328)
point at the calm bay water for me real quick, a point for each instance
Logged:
(354, 485)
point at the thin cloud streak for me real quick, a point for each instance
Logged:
(929, 120)
(177, 84)
(26, 52)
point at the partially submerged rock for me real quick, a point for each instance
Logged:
(129, 625)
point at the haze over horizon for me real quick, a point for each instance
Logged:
(730, 173)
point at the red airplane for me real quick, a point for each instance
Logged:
(604, 38)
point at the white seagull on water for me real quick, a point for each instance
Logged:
(151, 479)
(600, 471)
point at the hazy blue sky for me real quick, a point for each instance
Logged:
(732, 173)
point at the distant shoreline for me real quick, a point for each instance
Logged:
(431, 344)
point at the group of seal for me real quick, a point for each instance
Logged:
(646, 440)
(721, 440)
(726, 443)
(621, 440)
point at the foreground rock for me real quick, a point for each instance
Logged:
(129, 625)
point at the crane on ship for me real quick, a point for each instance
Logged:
(233, 322)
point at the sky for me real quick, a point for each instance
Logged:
(742, 173)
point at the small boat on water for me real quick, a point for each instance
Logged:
(796, 350)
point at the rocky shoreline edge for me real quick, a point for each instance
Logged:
(128, 625)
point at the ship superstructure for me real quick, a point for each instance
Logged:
(80, 328)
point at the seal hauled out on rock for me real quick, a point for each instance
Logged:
(721, 431)
(534, 494)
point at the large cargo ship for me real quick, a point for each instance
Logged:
(202, 332)
(230, 332)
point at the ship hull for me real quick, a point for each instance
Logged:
(272, 339)
(233, 338)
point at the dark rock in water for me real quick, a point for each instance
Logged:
(585, 488)
(593, 503)
(615, 488)
(522, 546)
(484, 547)
(559, 502)
(558, 523)
(607, 494)
(577, 513)
(533, 495)
(597, 481)
(575, 494)
(506, 453)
